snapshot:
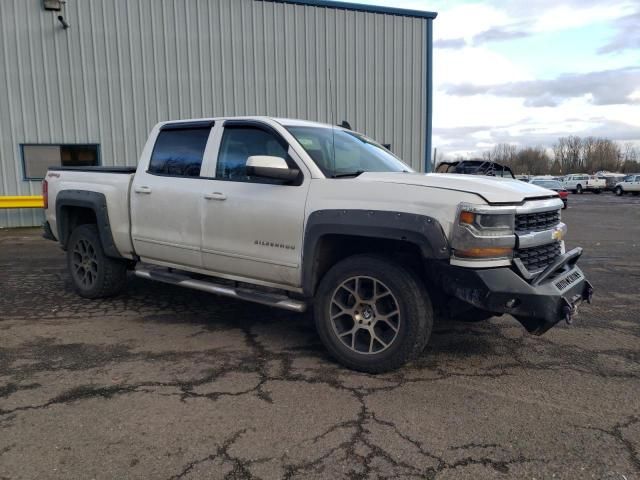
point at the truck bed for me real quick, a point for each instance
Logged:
(125, 170)
(108, 186)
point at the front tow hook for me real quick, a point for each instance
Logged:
(569, 311)
(589, 294)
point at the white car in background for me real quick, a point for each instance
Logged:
(630, 184)
(576, 183)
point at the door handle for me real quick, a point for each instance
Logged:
(142, 189)
(215, 196)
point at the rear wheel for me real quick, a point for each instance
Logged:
(564, 204)
(619, 191)
(372, 314)
(578, 188)
(94, 274)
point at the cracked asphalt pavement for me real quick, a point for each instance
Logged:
(168, 383)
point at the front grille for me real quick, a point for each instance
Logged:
(538, 258)
(537, 222)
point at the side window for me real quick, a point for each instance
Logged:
(37, 158)
(178, 152)
(241, 142)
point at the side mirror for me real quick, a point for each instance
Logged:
(270, 167)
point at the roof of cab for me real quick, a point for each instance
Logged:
(286, 122)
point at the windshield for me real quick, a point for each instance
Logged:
(340, 152)
(551, 184)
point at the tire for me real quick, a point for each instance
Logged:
(619, 191)
(94, 275)
(564, 204)
(597, 192)
(352, 283)
(579, 188)
(635, 194)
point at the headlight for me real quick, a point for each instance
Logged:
(483, 232)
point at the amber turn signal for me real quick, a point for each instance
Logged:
(467, 217)
(490, 252)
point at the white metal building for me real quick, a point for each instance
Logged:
(84, 84)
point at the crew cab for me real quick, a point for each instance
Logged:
(300, 215)
(630, 184)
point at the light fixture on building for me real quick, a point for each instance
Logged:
(52, 5)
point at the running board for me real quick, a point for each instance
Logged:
(182, 280)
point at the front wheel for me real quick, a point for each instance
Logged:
(619, 191)
(579, 189)
(372, 314)
(94, 274)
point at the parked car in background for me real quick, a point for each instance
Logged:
(596, 184)
(542, 177)
(630, 184)
(523, 178)
(576, 183)
(611, 179)
(554, 185)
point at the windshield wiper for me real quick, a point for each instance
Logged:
(348, 174)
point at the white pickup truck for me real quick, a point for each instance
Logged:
(295, 214)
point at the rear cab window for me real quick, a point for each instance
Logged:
(179, 150)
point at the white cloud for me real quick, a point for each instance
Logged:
(564, 17)
(467, 125)
(466, 21)
(477, 65)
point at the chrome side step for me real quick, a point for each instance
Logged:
(182, 280)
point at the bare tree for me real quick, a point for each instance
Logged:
(532, 161)
(630, 159)
(571, 154)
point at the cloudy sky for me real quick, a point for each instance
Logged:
(528, 71)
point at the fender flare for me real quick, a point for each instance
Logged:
(94, 201)
(423, 231)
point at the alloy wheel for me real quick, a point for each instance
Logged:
(85, 263)
(365, 315)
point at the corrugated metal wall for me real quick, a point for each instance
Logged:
(126, 64)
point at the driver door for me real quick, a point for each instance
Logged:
(253, 227)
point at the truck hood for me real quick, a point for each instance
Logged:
(491, 189)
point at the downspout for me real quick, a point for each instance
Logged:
(429, 66)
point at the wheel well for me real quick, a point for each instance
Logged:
(70, 218)
(332, 248)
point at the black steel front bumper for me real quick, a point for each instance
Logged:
(538, 302)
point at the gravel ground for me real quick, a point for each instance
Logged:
(163, 382)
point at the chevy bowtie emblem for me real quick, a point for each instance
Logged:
(557, 234)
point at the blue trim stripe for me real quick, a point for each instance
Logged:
(361, 8)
